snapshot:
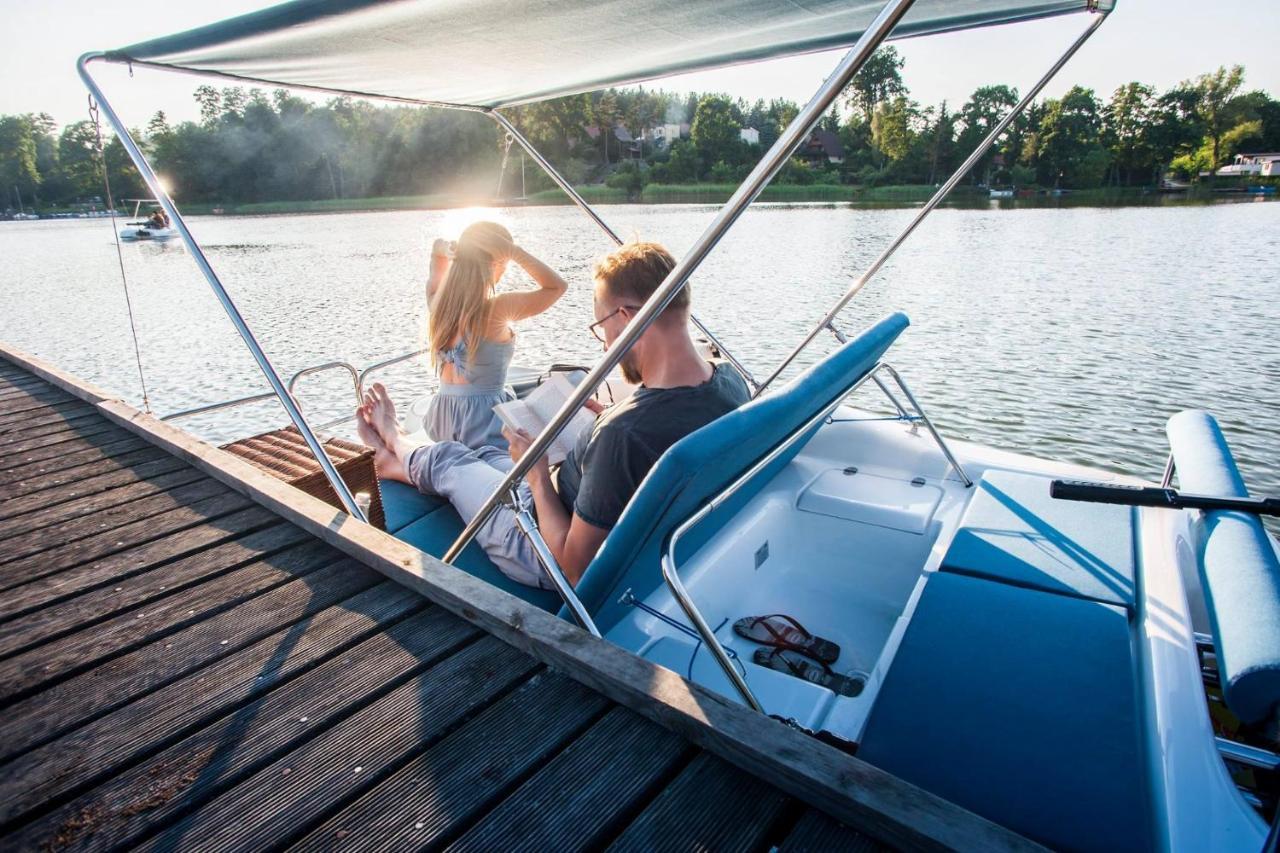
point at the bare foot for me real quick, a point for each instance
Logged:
(385, 461)
(382, 414)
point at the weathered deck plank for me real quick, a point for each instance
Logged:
(29, 722)
(42, 467)
(101, 514)
(818, 833)
(305, 784)
(440, 792)
(121, 569)
(43, 481)
(183, 668)
(29, 447)
(39, 553)
(44, 610)
(119, 486)
(66, 410)
(709, 806)
(58, 660)
(106, 747)
(580, 798)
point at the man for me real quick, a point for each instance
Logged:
(580, 502)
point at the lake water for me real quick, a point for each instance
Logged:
(1071, 333)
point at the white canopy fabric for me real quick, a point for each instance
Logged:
(493, 53)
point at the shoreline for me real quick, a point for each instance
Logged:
(656, 194)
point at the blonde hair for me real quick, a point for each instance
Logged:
(461, 309)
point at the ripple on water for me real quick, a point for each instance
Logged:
(1072, 333)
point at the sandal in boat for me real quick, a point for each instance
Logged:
(791, 663)
(782, 632)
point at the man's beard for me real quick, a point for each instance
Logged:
(630, 371)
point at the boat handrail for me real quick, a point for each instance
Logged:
(358, 378)
(670, 568)
(528, 525)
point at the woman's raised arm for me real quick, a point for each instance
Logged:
(509, 307)
(438, 270)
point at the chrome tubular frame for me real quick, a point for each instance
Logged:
(773, 160)
(1169, 470)
(329, 365)
(379, 365)
(586, 208)
(928, 424)
(529, 527)
(670, 572)
(828, 322)
(246, 334)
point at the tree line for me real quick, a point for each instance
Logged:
(250, 146)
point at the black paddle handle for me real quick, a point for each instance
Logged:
(1107, 493)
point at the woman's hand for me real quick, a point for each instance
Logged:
(519, 442)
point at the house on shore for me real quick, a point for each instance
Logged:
(663, 135)
(822, 148)
(749, 135)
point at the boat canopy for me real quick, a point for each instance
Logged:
(494, 53)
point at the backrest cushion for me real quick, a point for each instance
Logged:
(703, 463)
(1239, 570)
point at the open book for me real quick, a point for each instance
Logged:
(533, 413)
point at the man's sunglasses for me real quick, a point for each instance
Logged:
(595, 327)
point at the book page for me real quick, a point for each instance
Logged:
(534, 412)
(516, 415)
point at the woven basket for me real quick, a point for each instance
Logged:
(284, 454)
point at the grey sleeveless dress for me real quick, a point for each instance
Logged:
(464, 413)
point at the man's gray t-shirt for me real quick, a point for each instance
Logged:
(597, 480)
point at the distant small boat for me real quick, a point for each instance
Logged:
(1005, 193)
(146, 229)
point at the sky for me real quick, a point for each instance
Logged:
(1159, 42)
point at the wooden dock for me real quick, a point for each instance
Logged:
(194, 656)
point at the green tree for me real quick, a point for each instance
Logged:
(1069, 140)
(605, 114)
(210, 105)
(1175, 128)
(940, 133)
(18, 157)
(982, 112)
(683, 165)
(1126, 123)
(715, 130)
(878, 80)
(893, 128)
(1215, 92)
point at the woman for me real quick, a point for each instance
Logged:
(469, 329)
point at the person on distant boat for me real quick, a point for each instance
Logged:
(581, 501)
(470, 334)
(158, 220)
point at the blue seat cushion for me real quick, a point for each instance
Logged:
(1014, 532)
(703, 463)
(436, 527)
(1239, 570)
(1019, 705)
(402, 504)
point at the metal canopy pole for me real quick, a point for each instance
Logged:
(153, 183)
(773, 160)
(586, 208)
(828, 322)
